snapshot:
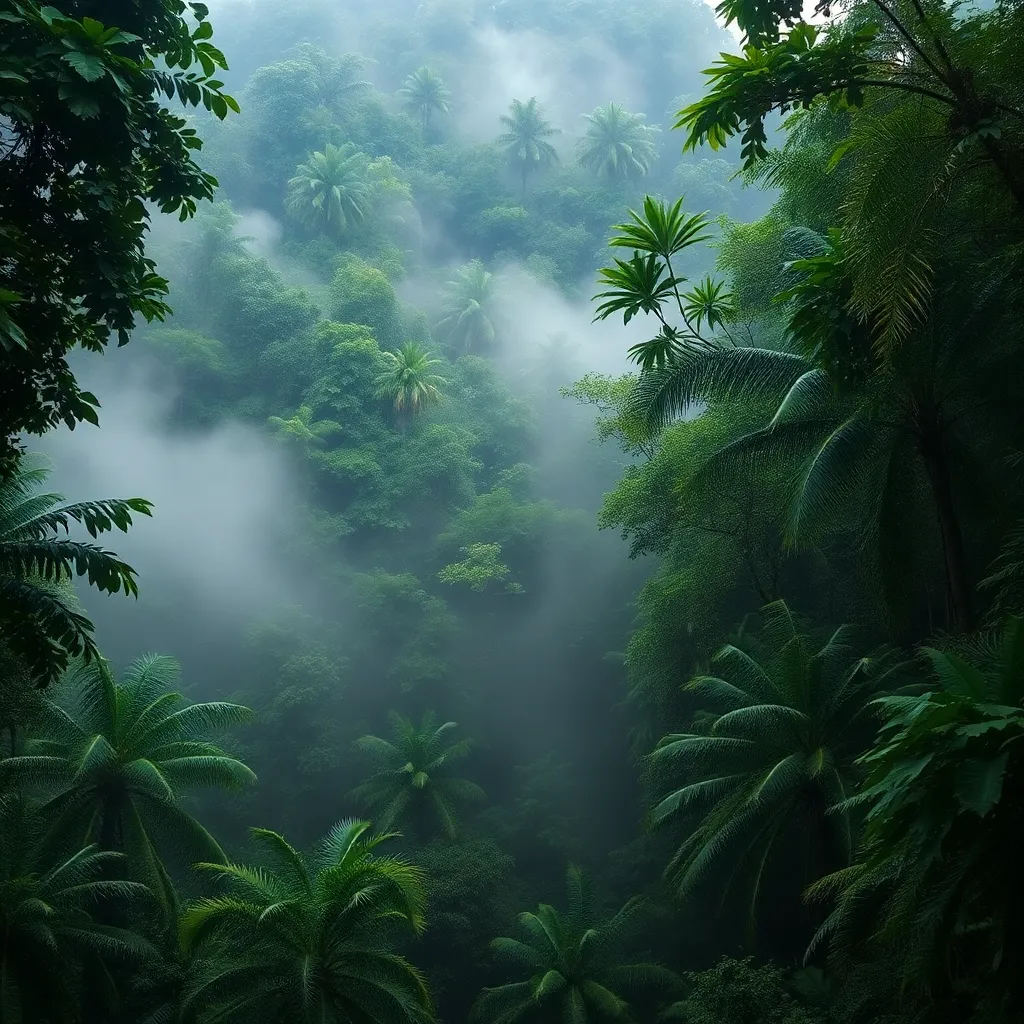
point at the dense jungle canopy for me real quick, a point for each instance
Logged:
(571, 516)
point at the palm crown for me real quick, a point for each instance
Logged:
(120, 754)
(785, 731)
(414, 774)
(617, 144)
(577, 969)
(331, 189)
(407, 381)
(46, 917)
(423, 93)
(308, 938)
(468, 299)
(38, 621)
(525, 141)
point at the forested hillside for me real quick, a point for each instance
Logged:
(576, 572)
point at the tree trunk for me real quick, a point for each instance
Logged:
(958, 586)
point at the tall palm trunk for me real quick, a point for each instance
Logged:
(959, 589)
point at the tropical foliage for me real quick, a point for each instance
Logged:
(42, 624)
(468, 306)
(119, 754)
(414, 777)
(617, 144)
(407, 382)
(577, 967)
(331, 189)
(309, 937)
(75, 269)
(525, 139)
(48, 913)
(809, 415)
(777, 751)
(424, 94)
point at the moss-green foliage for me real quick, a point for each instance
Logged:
(480, 570)
(825, 429)
(743, 992)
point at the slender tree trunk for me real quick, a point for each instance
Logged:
(958, 585)
(524, 181)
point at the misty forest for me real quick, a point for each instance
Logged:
(511, 511)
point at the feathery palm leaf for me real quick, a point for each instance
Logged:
(424, 94)
(525, 140)
(414, 774)
(617, 144)
(117, 755)
(408, 382)
(468, 302)
(576, 967)
(47, 907)
(331, 189)
(38, 618)
(309, 938)
(789, 725)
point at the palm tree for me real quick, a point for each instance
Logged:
(576, 968)
(309, 938)
(39, 622)
(120, 754)
(408, 382)
(414, 773)
(617, 145)
(525, 143)
(424, 94)
(897, 458)
(786, 726)
(468, 299)
(51, 940)
(891, 450)
(331, 189)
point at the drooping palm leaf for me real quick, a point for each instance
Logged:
(309, 938)
(576, 966)
(118, 755)
(413, 774)
(41, 623)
